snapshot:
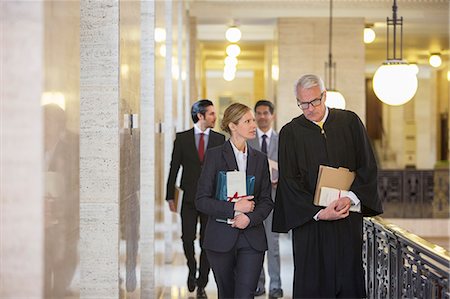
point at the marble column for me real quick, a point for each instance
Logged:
(99, 149)
(22, 202)
(147, 161)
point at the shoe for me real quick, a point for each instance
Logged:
(259, 292)
(191, 283)
(201, 294)
(275, 293)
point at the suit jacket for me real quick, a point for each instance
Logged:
(185, 154)
(220, 236)
(272, 151)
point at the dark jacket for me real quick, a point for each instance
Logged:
(220, 236)
(185, 154)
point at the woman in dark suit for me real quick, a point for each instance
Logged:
(236, 251)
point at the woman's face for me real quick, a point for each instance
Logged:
(246, 127)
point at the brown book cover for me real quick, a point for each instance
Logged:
(339, 178)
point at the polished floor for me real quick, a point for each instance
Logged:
(175, 283)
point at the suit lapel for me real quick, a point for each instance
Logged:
(228, 155)
(272, 146)
(191, 146)
(251, 161)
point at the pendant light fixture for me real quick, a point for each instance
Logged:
(334, 98)
(395, 82)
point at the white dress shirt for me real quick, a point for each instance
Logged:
(241, 157)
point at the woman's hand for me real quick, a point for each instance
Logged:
(241, 221)
(245, 204)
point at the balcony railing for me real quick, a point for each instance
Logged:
(399, 264)
(412, 193)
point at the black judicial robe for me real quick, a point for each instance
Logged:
(327, 254)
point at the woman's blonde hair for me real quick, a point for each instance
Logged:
(233, 114)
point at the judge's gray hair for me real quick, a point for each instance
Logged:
(309, 81)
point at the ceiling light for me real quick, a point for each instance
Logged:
(435, 60)
(160, 35)
(162, 50)
(53, 97)
(231, 60)
(229, 76)
(335, 99)
(233, 34)
(233, 50)
(369, 35)
(414, 68)
(394, 82)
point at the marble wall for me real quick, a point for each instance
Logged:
(303, 48)
(21, 203)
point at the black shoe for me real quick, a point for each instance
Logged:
(260, 291)
(275, 293)
(201, 294)
(191, 282)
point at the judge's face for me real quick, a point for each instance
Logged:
(246, 127)
(314, 99)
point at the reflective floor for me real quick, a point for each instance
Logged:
(175, 283)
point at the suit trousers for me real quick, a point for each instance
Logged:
(189, 220)
(237, 271)
(273, 257)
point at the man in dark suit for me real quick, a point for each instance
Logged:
(188, 151)
(266, 141)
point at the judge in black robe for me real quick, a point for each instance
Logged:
(327, 242)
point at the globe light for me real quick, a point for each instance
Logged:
(335, 99)
(395, 83)
(369, 35)
(435, 60)
(233, 50)
(229, 76)
(414, 68)
(233, 34)
(230, 60)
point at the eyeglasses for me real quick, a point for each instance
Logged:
(314, 103)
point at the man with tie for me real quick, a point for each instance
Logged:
(266, 141)
(188, 151)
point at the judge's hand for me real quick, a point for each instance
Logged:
(241, 221)
(331, 213)
(245, 204)
(342, 203)
(172, 205)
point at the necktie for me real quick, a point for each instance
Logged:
(201, 147)
(320, 124)
(264, 144)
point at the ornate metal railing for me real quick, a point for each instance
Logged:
(413, 193)
(399, 264)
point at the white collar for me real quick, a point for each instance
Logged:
(324, 117)
(268, 133)
(198, 131)
(238, 152)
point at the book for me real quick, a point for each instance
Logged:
(233, 185)
(178, 198)
(327, 195)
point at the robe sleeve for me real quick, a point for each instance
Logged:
(365, 183)
(293, 201)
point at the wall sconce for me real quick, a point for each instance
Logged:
(369, 34)
(334, 98)
(394, 82)
(233, 34)
(435, 60)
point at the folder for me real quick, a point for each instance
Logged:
(178, 198)
(330, 177)
(273, 169)
(232, 185)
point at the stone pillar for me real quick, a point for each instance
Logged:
(147, 160)
(99, 149)
(303, 48)
(22, 201)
